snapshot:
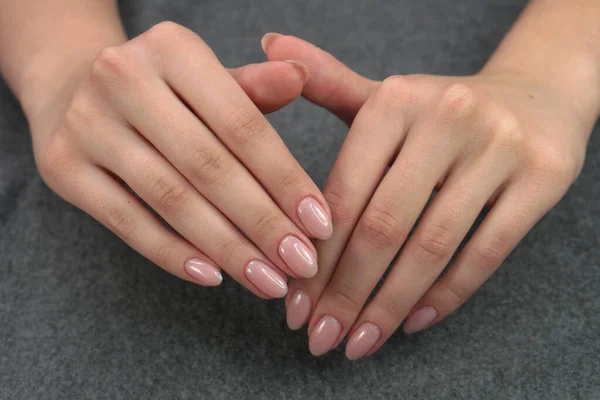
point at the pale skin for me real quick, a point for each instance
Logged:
(510, 138)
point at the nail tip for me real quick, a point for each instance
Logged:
(266, 38)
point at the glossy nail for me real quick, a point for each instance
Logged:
(420, 319)
(267, 39)
(298, 256)
(204, 272)
(324, 336)
(362, 340)
(315, 219)
(266, 279)
(298, 310)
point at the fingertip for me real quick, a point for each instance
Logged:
(301, 68)
(267, 39)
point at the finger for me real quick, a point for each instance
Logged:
(106, 200)
(197, 76)
(386, 223)
(148, 104)
(372, 142)
(332, 85)
(163, 188)
(439, 233)
(272, 85)
(516, 211)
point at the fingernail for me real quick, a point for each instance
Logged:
(298, 257)
(301, 68)
(324, 335)
(362, 340)
(204, 272)
(266, 279)
(315, 219)
(420, 319)
(298, 310)
(267, 39)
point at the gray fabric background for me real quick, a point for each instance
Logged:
(83, 316)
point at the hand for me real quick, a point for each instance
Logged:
(160, 115)
(500, 140)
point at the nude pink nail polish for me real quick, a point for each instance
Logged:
(298, 310)
(315, 219)
(420, 319)
(266, 279)
(324, 336)
(298, 256)
(204, 272)
(267, 39)
(362, 340)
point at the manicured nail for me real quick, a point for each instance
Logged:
(420, 319)
(315, 219)
(298, 310)
(266, 279)
(204, 272)
(362, 340)
(324, 336)
(298, 257)
(267, 39)
(301, 68)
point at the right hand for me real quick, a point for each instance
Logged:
(160, 115)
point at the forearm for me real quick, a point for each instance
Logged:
(46, 46)
(557, 41)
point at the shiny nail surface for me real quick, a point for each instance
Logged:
(266, 279)
(324, 336)
(362, 340)
(315, 219)
(204, 272)
(298, 256)
(266, 40)
(420, 319)
(298, 310)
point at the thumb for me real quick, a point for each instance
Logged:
(332, 85)
(272, 85)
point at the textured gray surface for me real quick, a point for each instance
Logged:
(83, 316)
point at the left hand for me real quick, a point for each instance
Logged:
(499, 140)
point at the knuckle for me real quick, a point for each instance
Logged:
(454, 295)
(391, 309)
(164, 255)
(55, 163)
(457, 102)
(269, 222)
(82, 115)
(289, 181)
(557, 164)
(245, 127)
(228, 249)
(209, 165)
(169, 193)
(393, 94)
(163, 32)
(111, 65)
(505, 129)
(433, 246)
(492, 253)
(122, 223)
(380, 228)
(337, 195)
(343, 298)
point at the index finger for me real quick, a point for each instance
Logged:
(239, 124)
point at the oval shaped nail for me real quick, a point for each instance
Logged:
(266, 279)
(298, 256)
